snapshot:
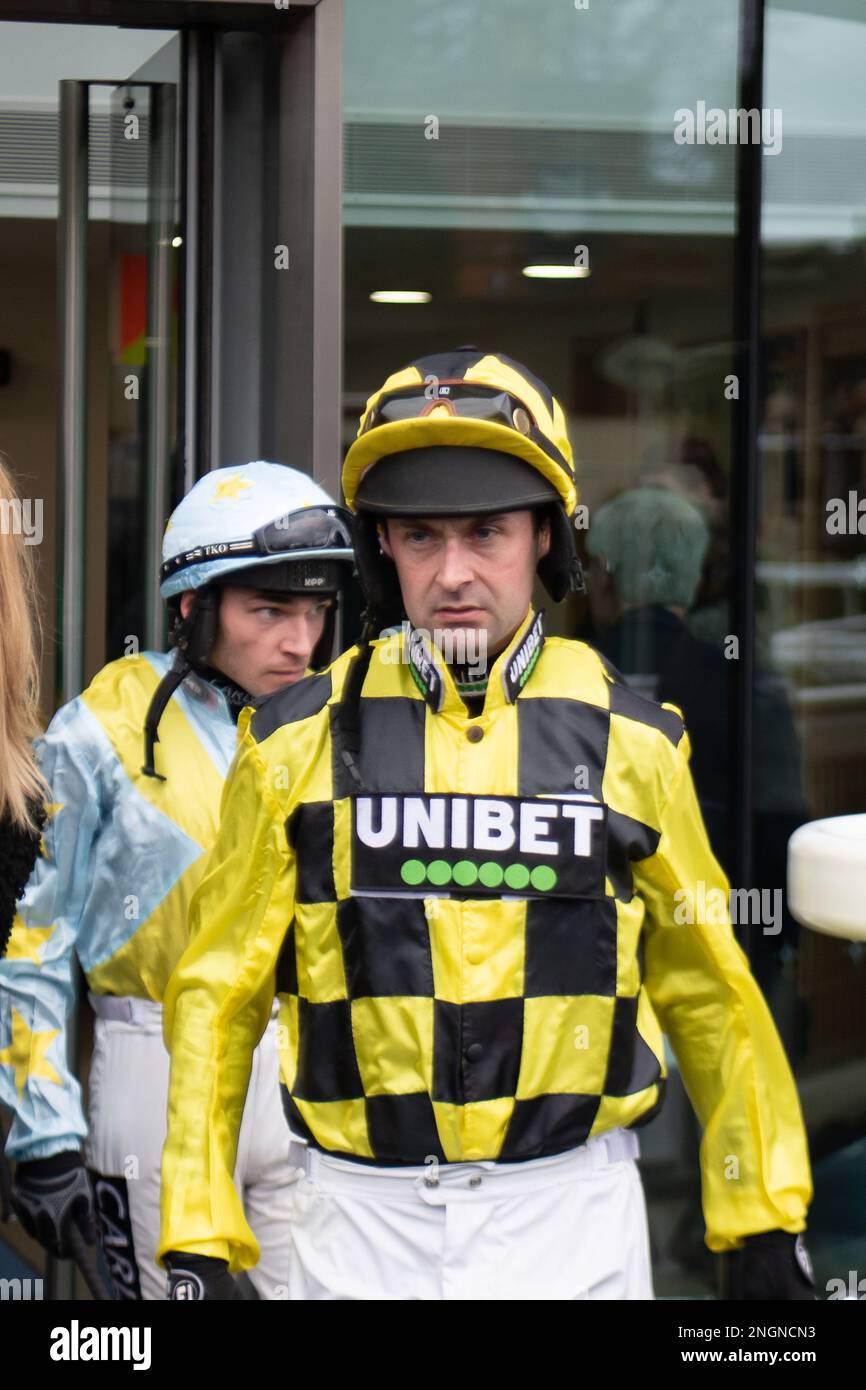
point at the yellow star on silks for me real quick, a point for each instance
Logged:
(230, 488)
(27, 943)
(26, 1053)
(51, 809)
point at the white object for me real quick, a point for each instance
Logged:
(827, 876)
(127, 1113)
(569, 1227)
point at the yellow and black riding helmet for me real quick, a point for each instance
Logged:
(460, 433)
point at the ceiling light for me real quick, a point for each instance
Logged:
(556, 272)
(401, 297)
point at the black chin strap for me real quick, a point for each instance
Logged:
(349, 710)
(193, 637)
(176, 673)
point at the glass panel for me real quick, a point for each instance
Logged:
(139, 121)
(34, 59)
(495, 135)
(811, 688)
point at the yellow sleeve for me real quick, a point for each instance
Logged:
(754, 1153)
(216, 1008)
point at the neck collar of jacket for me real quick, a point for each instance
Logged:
(508, 675)
(205, 683)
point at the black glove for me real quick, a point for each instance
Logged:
(50, 1197)
(772, 1265)
(197, 1277)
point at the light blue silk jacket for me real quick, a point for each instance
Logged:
(120, 858)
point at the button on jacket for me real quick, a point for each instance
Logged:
(120, 857)
(472, 927)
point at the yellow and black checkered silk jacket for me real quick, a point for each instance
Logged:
(478, 930)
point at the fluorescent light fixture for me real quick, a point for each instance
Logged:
(401, 297)
(556, 272)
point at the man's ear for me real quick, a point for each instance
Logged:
(382, 533)
(543, 539)
(186, 601)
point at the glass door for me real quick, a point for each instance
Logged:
(144, 254)
(120, 253)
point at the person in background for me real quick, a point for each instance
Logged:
(22, 789)
(647, 549)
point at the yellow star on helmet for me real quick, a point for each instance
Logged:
(26, 1053)
(229, 489)
(51, 809)
(28, 943)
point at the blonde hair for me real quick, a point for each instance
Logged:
(21, 783)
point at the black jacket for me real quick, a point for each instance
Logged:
(18, 850)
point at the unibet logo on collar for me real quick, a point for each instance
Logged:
(423, 670)
(520, 666)
(478, 846)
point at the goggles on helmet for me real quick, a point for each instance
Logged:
(466, 400)
(326, 530)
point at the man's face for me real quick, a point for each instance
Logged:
(264, 641)
(472, 573)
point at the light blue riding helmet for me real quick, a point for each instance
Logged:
(258, 525)
(252, 514)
